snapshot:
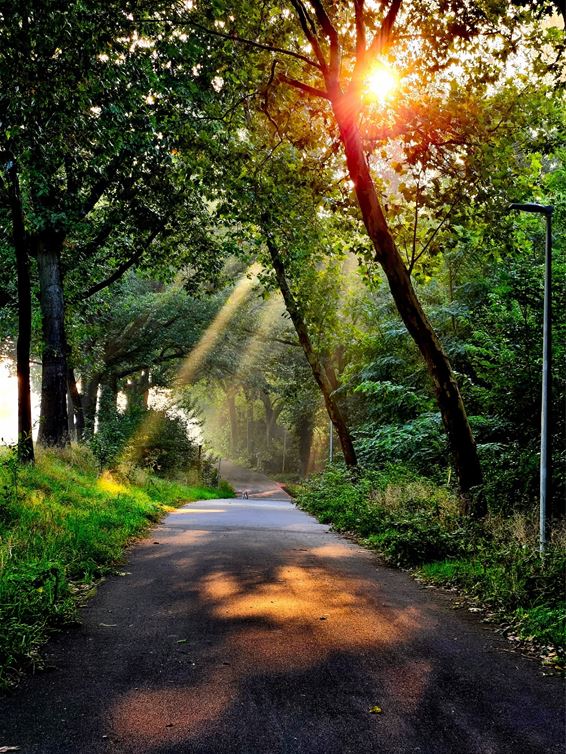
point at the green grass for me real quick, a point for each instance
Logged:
(61, 527)
(414, 523)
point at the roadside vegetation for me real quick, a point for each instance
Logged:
(239, 233)
(63, 526)
(415, 523)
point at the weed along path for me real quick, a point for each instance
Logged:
(244, 626)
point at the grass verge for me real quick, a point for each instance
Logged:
(415, 524)
(62, 526)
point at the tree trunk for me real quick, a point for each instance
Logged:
(144, 387)
(21, 247)
(323, 379)
(137, 392)
(76, 405)
(90, 395)
(231, 401)
(448, 396)
(53, 429)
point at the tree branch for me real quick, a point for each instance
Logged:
(330, 32)
(123, 268)
(312, 90)
(310, 33)
(383, 36)
(154, 362)
(360, 32)
(252, 43)
(100, 186)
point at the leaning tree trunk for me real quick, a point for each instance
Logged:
(448, 396)
(53, 429)
(325, 381)
(21, 247)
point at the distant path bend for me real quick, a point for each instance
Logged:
(256, 484)
(245, 627)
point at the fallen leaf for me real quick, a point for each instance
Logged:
(4, 749)
(376, 710)
(182, 641)
(108, 625)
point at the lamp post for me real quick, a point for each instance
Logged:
(545, 435)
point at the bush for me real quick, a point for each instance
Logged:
(415, 539)
(420, 443)
(112, 436)
(161, 444)
(154, 440)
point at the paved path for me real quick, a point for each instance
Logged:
(246, 627)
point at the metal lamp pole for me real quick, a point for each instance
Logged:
(545, 434)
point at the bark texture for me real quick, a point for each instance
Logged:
(53, 428)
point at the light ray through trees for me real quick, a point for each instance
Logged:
(190, 366)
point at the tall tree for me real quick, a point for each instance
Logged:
(90, 99)
(346, 41)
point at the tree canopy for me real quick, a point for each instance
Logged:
(307, 203)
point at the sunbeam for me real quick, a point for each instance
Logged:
(258, 340)
(196, 357)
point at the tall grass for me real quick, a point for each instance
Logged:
(62, 526)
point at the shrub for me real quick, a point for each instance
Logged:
(161, 444)
(414, 539)
(420, 443)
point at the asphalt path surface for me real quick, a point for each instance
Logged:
(246, 626)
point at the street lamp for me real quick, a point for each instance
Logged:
(545, 435)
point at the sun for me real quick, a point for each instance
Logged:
(381, 81)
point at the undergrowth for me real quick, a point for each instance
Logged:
(62, 525)
(415, 523)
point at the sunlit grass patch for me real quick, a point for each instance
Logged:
(61, 524)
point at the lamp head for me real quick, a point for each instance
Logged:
(541, 209)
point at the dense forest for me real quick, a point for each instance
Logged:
(260, 230)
